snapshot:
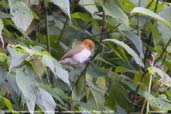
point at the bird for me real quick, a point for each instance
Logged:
(78, 54)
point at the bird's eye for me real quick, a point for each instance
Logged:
(89, 46)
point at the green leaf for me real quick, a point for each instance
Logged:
(21, 14)
(117, 95)
(127, 5)
(128, 49)
(97, 96)
(146, 12)
(82, 16)
(56, 68)
(46, 101)
(28, 87)
(116, 12)
(79, 90)
(136, 40)
(64, 6)
(96, 71)
(8, 103)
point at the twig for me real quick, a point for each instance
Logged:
(47, 28)
(143, 107)
(149, 91)
(164, 50)
(63, 29)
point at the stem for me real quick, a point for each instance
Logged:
(149, 91)
(46, 22)
(164, 50)
(63, 29)
(143, 107)
(148, 52)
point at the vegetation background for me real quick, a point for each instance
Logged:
(129, 71)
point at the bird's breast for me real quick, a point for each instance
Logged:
(82, 56)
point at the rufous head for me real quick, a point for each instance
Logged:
(88, 44)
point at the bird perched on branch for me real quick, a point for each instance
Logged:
(78, 54)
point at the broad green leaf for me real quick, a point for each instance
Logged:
(26, 83)
(63, 5)
(57, 93)
(56, 68)
(46, 101)
(137, 59)
(21, 14)
(8, 103)
(17, 58)
(96, 71)
(79, 89)
(116, 12)
(136, 40)
(127, 5)
(117, 95)
(97, 96)
(3, 59)
(82, 16)
(146, 12)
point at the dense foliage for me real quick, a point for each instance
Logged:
(128, 71)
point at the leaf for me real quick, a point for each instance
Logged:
(128, 49)
(116, 12)
(56, 68)
(4, 15)
(96, 71)
(57, 93)
(165, 78)
(28, 87)
(16, 58)
(64, 6)
(21, 14)
(117, 95)
(97, 96)
(79, 90)
(82, 16)
(146, 12)
(136, 40)
(46, 102)
(89, 5)
(8, 103)
(163, 30)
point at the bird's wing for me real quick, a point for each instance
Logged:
(72, 52)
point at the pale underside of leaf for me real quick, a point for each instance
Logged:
(147, 12)
(129, 50)
(21, 14)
